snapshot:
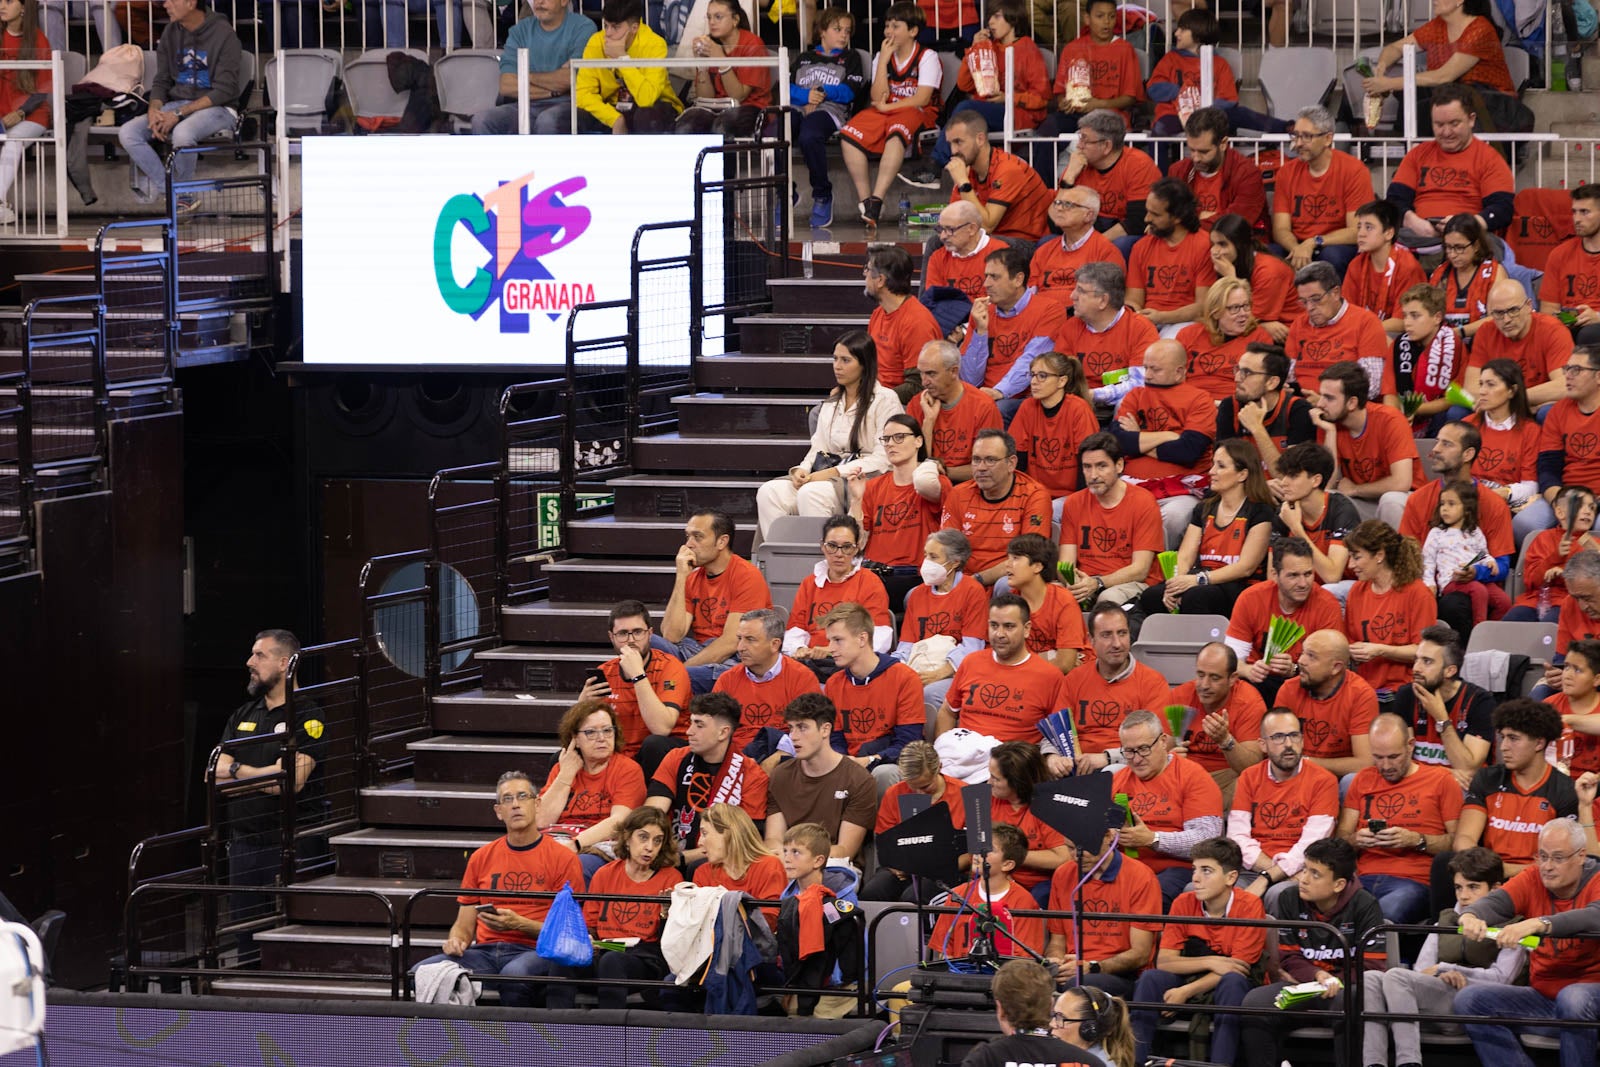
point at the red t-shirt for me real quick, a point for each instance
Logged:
(1507, 456)
(1571, 276)
(1168, 275)
(1354, 334)
(1244, 943)
(1118, 347)
(1126, 180)
(1058, 624)
(1211, 364)
(1464, 306)
(1380, 291)
(1479, 39)
(1330, 723)
(1054, 269)
(900, 335)
(1397, 617)
(1541, 353)
(1273, 296)
(1574, 624)
(759, 79)
(1558, 962)
(1539, 553)
(962, 612)
(13, 96)
(1424, 801)
(991, 524)
(667, 677)
(1013, 183)
(1253, 612)
(898, 520)
(762, 703)
(1243, 708)
(542, 867)
(1004, 701)
(628, 918)
(1321, 205)
(1098, 706)
(1107, 538)
(1385, 439)
(1179, 792)
(812, 604)
(1453, 183)
(709, 598)
(1107, 70)
(764, 880)
(1009, 335)
(1494, 517)
(872, 708)
(1041, 837)
(1570, 431)
(889, 806)
(592, 796)
(1279, 810)
(1579, 752)
(1134, 891)
(956, 426)
(962, 272)
(1184, 69)
(952, 935)
(1050, 441)
(1177, 408)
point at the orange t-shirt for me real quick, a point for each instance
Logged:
(1184, 69)
(1273, 296)
(1380, 291)
(1041, 837)
(1479, 39)
(1107, 538)
(1558, 962)
(889, 806)
(1127, 180)
(1329, 723)
(761, 703)
(628, 918)
(1108, 70)
(1015, 185)
(1423, 802)
(1211, 364)
(542, 867)
(1580, 752)
(592, 796)
(1539, 553)
(961, 272)
(1177, 408)
(1004, 701)
(1243, 943)
(1253, 612)
(709, 598)
(1577, 436)
(1354, 334)
(1574, 624)
(1055, 267)
(991, 524)
(1397, 617)
(1168, 275)
(1321, 205)
(1098, 707)
(764, 880)
(899, 336)
(667, 677)
(1453, 183)
(1164, 802)
(1134, 891)
(871, 708)
(812, 604)
(1118, 347)
(952, 934)
(1058, 624)
(1050, 441)
(1571, 275)
(962, 612)
(1541, 353)
(955, 427)
(1279, 810)
(1385, 439)
(1507, 456)
(1243, 708)
(898, 520)
(1494, 518)
(1009, 335)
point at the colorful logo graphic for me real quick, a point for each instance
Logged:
(516, 227)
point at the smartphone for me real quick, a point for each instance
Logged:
(598, 677)
(482, 908)
(1377, 826)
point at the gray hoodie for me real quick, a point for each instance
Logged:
(202, 62)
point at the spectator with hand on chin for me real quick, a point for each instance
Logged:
(592, 787)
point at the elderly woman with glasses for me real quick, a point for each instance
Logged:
(1227, 326)
(591, 788)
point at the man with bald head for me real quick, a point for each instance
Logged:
(1056, 260)
(1534, 341)
(1335, 705)
(1165, 427)
(1219, 695)
(1399, 814)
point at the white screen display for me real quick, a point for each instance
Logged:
(473, 250)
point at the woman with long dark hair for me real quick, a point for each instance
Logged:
(1467, 274)
(845, 442)
(898, 510)
(1508, 461)
(727, 99)
(1388, 607)
(24, 94)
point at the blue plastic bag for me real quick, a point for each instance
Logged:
(564, 937)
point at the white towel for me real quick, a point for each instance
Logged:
(691, 928)
(445, 982)
(1487, 669)
(964, 754)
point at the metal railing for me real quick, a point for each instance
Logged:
(35, 188)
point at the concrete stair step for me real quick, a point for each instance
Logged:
(536, 670)
(739, 370)
(664, 496)
(347, 908)
(796, 334)
(550, 623)
(608, 535)
(507, 712)
(764, 416)
(453, 758)
(821, 296)
(412, 803)
(769, 456)
(581, 579)
(382, 852)
(341, 949)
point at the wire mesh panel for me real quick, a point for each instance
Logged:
(741, 217)
(323, 689)
(662, 265)
(533, 428)
(392, 668)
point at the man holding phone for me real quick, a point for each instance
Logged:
(646, 688)
(1399, 814)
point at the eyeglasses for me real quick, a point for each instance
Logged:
(1086, 142)
(894, 438)
(994, 461)
(631, 635)
(1041, 375)
(595, 733)
(1283, 739)
(1296, 135)
(1448, 247)
(946, 231)
(1065, 205)
(1141, 751)
(1309, 301)
(1057, 1019)
(1506, 313)
(1547, 859)
(523, 797)
(1577, 368)
(1236, 309)
(834, 546)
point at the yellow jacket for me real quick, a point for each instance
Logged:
(598, 87)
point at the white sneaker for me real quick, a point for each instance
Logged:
(7, 213)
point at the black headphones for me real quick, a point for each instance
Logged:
(1094, 1027)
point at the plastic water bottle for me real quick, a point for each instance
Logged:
(905, 214)
(1544, 600)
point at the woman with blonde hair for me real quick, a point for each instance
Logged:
(737, 858)
(1084, 1010)
(1215, 343)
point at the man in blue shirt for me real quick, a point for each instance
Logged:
(554, 36)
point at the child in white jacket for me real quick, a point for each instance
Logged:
(1455, 541)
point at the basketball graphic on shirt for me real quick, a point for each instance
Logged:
(1381, 627)
(1145, 804)
(1318, 351)
(1212, 362)
(587, 804)
(698, 791)
(1061, 278)
(940, 622)
(706, 608)
(992, 695)
(1154, 419)
(1104, 538)
(624, 912)
(1166, 278)
(1540, 227)
(1362, 469)
(1269, 815)
(819, 611)
(861, 722)
(971, 286)
(1007, 345)
(1099, 712)
(1582, 445)
(945, 443)
(756, 714)
(1049, 451)
(1388, 806)
(897, 514)
(517, 881)
(1096, 364)
(1318, 733)
(1443, 178)
(1317, 205)
(1490, 459)
(1583, 286)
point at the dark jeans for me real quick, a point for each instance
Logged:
(1260, 1036)
(1340, 256)
(1523, 613)
(813, 133)
(730, 122)
(643, 962)
(1230, 991)
(1217, 599)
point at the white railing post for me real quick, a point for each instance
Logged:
(1208, 74)
(58, 127)
(522, 94)
(1010, 122)
(1408, 102)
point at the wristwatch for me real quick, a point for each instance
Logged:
(634, 681)
(1318, 241)
(233, 769)
(1202, 578)
(964, 187)
(1227, 746)
(1094, 966)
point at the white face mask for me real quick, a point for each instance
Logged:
(933, 573)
